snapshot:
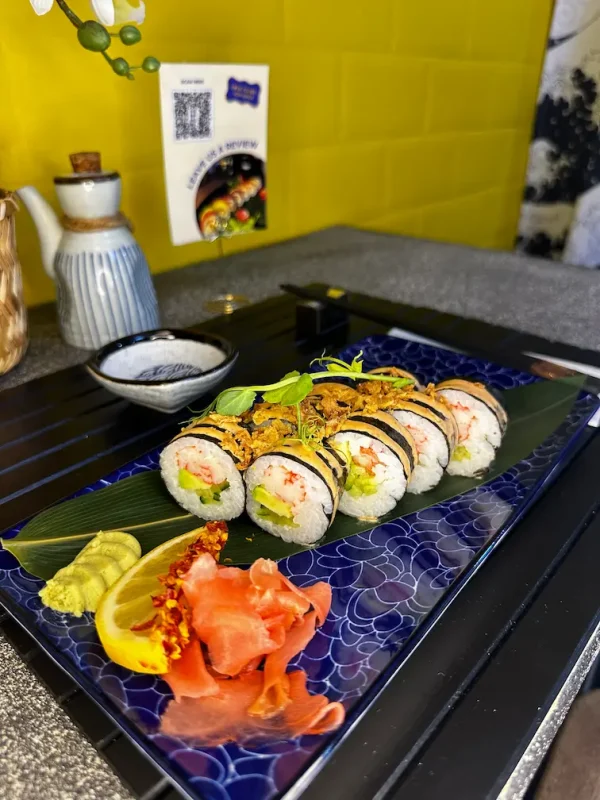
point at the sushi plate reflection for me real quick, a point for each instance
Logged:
(386, 583)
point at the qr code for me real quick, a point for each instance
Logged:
(193, 115)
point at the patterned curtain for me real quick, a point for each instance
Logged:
(560, 216)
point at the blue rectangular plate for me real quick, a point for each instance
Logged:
(389, 584)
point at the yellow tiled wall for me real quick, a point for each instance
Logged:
(399, 116)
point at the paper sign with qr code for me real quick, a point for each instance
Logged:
(214, 125)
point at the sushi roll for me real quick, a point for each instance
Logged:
(221, 207)
(381, 455)
(209, 222)
(202, 467)
(481, 421)
(435, 432)
(238, 197)
(293, 491)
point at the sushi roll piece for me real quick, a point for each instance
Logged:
(435, 432)
(238, 196)
(293, 491)
(202, 467)
(209, 222)
(481, 421)
(256, 186)
(221, 207)
(381, 455)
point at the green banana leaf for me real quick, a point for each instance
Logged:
(142, 506)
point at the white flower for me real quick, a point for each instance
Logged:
(41, 6)
(109, 12)
(113, 12)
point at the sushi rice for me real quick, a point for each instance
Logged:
(293, 491)
(381, 454)
(481, 421)
(201, 468)
(435, 432)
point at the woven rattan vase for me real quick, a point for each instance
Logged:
(13, 317)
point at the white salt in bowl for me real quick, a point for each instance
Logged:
(165, 369)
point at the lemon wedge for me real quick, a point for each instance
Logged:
(129, 602)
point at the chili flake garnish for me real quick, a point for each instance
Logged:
(172, 624)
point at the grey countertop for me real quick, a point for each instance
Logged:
(41, 752)
(546, 298)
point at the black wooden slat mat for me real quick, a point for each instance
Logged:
(23, 420)
(49, 390)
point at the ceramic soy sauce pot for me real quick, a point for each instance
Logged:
(103, 282)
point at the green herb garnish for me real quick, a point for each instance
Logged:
(294, 387)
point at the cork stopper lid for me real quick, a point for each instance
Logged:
(86, 162)
(86, 167)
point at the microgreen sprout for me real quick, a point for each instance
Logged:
(295, 386)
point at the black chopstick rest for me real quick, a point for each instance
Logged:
(316, 317)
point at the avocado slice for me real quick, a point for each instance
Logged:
(272, 503)
(207, 492)
(191, 483)
(461, 453)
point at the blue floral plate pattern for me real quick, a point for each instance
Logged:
(385, 582)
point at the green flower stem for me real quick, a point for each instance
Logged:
(354, 376)
(70, 15)
(365, 376)
(93, 36)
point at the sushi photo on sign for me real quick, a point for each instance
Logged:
(231, 197)
(214, 123)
